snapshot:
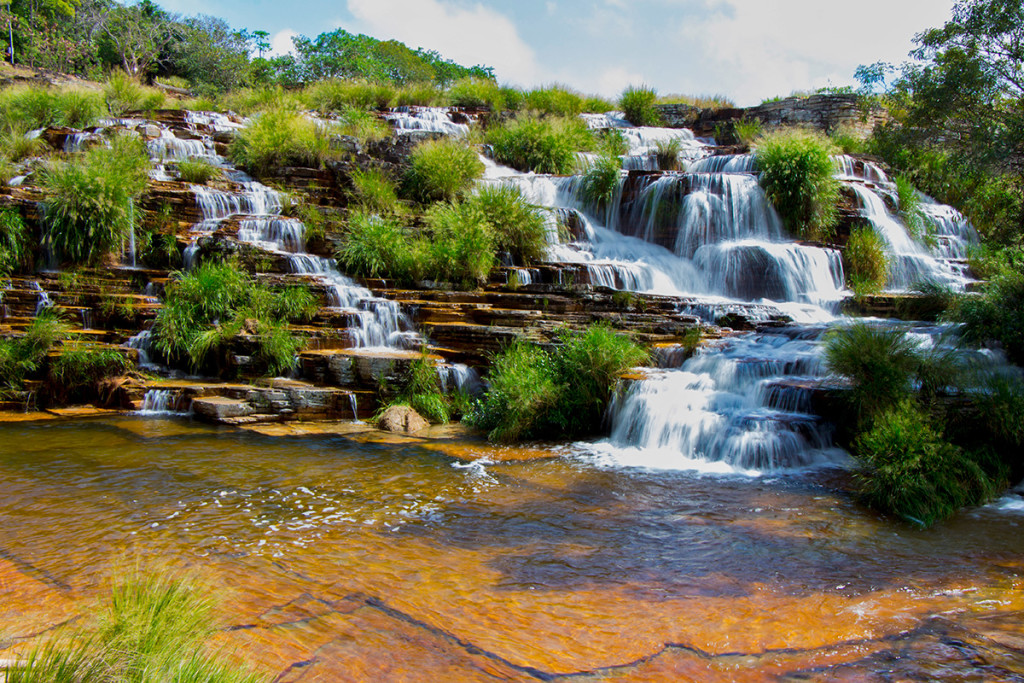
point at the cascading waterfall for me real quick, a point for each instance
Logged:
(735, 406)
(426, 119)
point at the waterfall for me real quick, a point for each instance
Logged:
(426, 119)
(909, 261)
(158, 402)
(738, 406)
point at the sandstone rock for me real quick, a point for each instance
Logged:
(401, 420)
(220, 408)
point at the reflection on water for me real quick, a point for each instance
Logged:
(331, 555)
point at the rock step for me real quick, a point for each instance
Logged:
(370, 370)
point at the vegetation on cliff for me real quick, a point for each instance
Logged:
(535, 393)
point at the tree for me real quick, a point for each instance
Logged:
(262, 40)
(136, 36)
(958, 115)
(206, 50)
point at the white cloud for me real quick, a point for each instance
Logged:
(281, 42)
(468, 34)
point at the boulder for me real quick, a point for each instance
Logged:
(401, 420)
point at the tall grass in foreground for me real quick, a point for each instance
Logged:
(563, 393)
(150, 629)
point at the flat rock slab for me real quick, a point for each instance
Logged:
(26, 417)
(77, 412)
(220, 408)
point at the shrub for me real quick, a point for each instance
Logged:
(910, 471)
(197, 171)
(280, 137)
(637, 103)
(601, 180)
(667, 154)
(421, 391)
(547, 145)
(89, 206)
(865, 261)
(588, 365)
(460, 248)
(477, 92)
(564, 393)
(998, 313)
(848, 141)
(522, 390)
(376, 246)
(15, 248)
(593, 104)
(441, 170)
(517, 225)
(418, 95)
(879, 363)
(698, 101)
(797, 174)
(207, 309)
(374, 191)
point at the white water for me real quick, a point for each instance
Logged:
(426, 119)
(735, 407)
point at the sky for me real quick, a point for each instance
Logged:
(746, 50)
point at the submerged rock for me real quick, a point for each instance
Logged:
(401, 420)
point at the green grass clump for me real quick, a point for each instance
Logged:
(197, 171)
(377, 246)
(912, 472)
(335, 95)
(151, 629)
(374, 191)
(613, 143)
(518, 226)
(15, 145)
(419, 95)
(747, 131)
(797, 174)
(865, 261)
(15, 247)
(548, 145)
(213, 306)
(637, 103)
(29, 107)
(564, 393)
(363, 125)
(555, 100)
(667, 154)
(421, 390)
(280, 137)
(89, 207)
(124, 93)
(601, 180)
(848, 140)
(441, 170)
(78, 371)
(477, 93)
(21, 357)
(460, 246)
